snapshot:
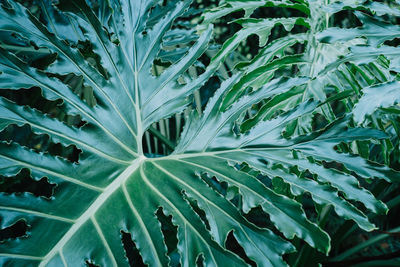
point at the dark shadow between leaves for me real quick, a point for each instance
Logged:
(18, 229)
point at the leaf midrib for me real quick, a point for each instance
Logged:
(113, 137)
(90, 212)
(111, 60)
(56, 46)
(176, 210)
(212, 203)
(73, 140)
(56, 174)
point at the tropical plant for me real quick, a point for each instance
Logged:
(252, 149)
(344, 65)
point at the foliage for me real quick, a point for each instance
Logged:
(115, 68)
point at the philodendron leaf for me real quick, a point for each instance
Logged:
(248, 7)
(375, 30)
(379, 96)
(112, 194)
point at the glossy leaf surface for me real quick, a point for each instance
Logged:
(114, 188)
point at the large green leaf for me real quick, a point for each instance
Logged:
(114, 189)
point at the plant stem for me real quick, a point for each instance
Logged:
(162, 138)
(393, 202)
(363, 259)
(363, 245)
(323, 218)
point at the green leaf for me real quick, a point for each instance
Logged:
(382, 95)
(376, 31)
(113, 187)
(248, 6)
